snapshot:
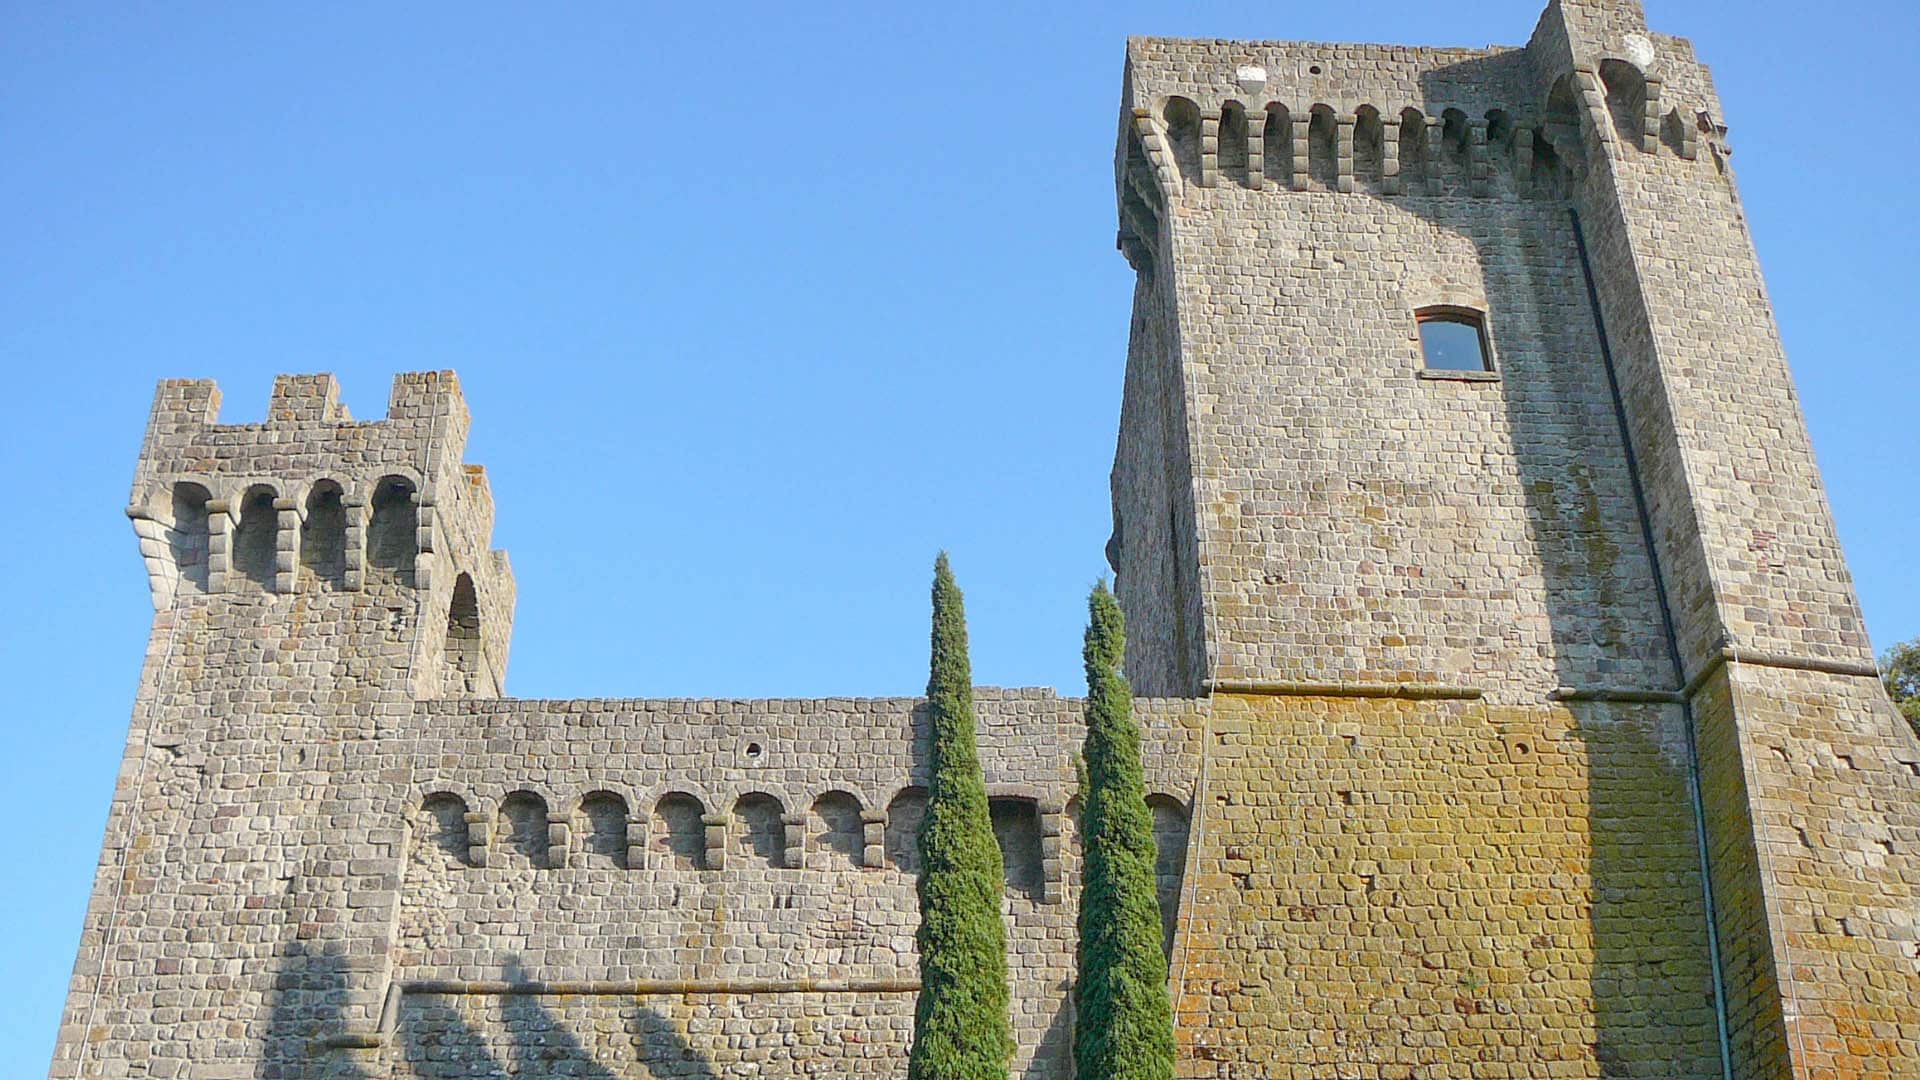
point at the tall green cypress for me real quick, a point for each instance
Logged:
(1125, 1026)
(960, 1025)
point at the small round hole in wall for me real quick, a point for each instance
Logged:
(753, 750)
(1314, 70)
(1522, 749)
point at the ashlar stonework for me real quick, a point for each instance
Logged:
(1504, 723)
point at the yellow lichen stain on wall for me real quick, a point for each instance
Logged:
(1444, 889)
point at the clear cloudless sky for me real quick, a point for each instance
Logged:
(756, 306)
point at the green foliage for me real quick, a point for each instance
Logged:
(960, 1026)
(1125, 1026)
(1900, 670)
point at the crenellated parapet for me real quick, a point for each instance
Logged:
(311, 501)
(1289, 117)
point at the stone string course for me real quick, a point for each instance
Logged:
(1498, 725)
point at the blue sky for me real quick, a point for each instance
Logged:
(756, 307)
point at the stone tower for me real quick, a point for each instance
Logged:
(1501, 654)
(312, 577)
(1508, 710)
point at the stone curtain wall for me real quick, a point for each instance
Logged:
(676, 966)
(1389, 888)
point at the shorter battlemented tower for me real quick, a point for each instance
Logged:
(1508, 709)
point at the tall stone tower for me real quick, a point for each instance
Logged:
(1461, 469)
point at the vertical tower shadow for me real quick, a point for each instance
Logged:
(438, 1041)
(309, 992)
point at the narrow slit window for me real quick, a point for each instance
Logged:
(1454, 339)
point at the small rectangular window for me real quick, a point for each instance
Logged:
(1454, 339)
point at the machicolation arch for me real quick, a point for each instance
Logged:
(526, 830)
(444, 821)
(323, 537)
(840, 836)
(904, 814)
(392, 533)
(679, 839)
(463, 646)
(1170, 824)
(604, 841)
(1016, 826)
(760, 832)
(1323, 153)
(188, 538)
(1182, 119)
(255, 539)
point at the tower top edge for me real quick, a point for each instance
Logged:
(308, 399)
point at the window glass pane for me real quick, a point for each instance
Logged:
(1452, 345)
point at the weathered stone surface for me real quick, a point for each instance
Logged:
(1432, 665)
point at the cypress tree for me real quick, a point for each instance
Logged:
(1125, 1027)
(960, 1025)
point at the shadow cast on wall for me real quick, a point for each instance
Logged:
(438, 1038)
(1648, 972)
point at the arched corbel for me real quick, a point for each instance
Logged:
(1298, 150)
(714, 826)
(162, 575)
(1154, 143)
(423, 559)
(1343, 152)
(1256, 149)
(288, 515)
(354, 506)
(219, 543)
(1052, 819)
(560, 842)
(1479, 167)
(793, 840)
(1210, 149)
(1596, 120)
(1650, 117)
(1390, 154)
(1436, 154)
(873, 839)
(479, 835)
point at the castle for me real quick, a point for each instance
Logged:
(1508, 708)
